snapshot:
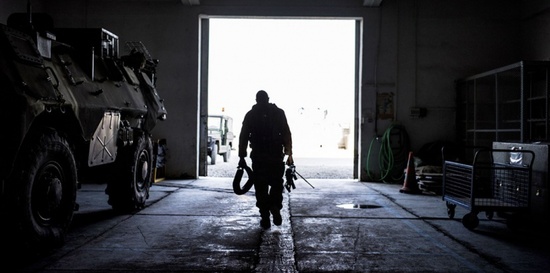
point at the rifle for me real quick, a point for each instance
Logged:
(290, 175)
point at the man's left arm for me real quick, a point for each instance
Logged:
(287, 139)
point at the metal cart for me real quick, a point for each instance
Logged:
(489, 186)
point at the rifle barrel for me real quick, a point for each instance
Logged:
(304, 179)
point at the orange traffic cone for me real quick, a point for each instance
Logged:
(410, 185)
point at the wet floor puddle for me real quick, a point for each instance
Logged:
(358, 206)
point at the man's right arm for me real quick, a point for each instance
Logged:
(243, 138)
(243, 143)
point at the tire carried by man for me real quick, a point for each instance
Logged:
(237, 180)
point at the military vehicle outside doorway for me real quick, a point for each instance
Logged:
(220, 137)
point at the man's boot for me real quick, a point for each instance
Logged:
(265, 223)
(277, 219)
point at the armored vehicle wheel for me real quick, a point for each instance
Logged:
(130, 187)
(214, 154)
(46, 190)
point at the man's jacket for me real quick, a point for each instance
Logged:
(265, 127)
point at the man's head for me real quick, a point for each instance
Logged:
(262, 97)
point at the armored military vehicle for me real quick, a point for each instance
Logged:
(73, 111)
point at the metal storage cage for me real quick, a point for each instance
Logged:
(488, 185)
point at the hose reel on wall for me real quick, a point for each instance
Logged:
(393, 154)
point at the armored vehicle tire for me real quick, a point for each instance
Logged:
(214, 154)
(129, 189)
(47, 189)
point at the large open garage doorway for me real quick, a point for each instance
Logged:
(308, 66)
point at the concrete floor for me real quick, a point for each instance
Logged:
(341, 225)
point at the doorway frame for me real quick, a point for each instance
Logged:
(202, 116)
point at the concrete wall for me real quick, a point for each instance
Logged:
(535, 30)
(414, 50)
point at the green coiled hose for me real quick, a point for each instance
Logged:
(392, 160)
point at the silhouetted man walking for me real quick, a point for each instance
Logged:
(265, 127)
